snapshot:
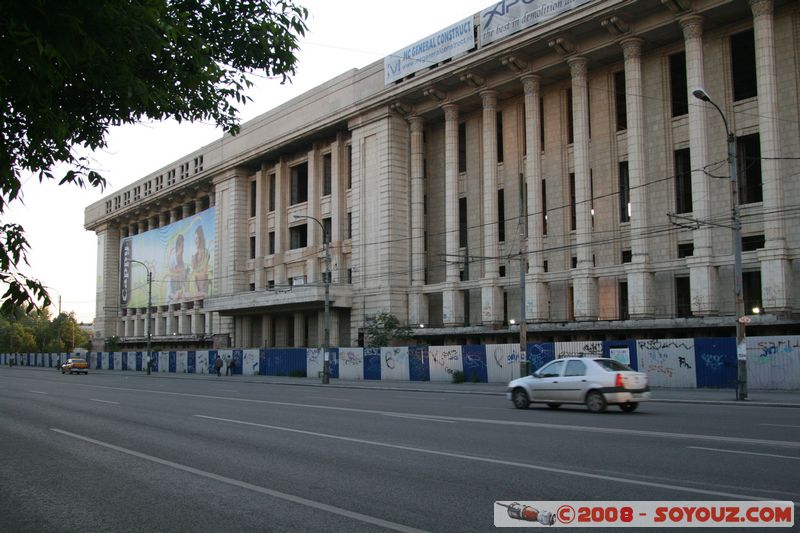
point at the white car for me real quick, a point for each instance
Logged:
(596, 382)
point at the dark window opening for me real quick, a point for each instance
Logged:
(572, 217)
(298, 237)
(544, 207)
(298, 188)
(685, 250)
(271, 192)
(545, 265)
(349, 276)
(570, 130)
(624, 193)
(271, 237)
(573, 263)
(253, 199)
(623, 301)
(252, 287)
(678, 84)
(748, 168)
(327, 174)
(462, 222)
(349, 166)
(252, 247)
(501, 216)
(683, 181)
(326, 229)
(502, 271)
(753, 242)
(349, 225)
(751, 292)
(619, 100)
(683, 297)
(499, 136)
(743, 65)
(627, 256)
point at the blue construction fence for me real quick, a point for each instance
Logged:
(773, 362)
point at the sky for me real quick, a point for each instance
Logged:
(342, 35)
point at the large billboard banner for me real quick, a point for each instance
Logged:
(445, 44)
(180, 257)
(510, 16)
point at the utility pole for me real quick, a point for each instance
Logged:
(741, 341)
(523, 270)
(326, 363)
(148, 326)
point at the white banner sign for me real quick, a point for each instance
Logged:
(510, 16)
(445, 44)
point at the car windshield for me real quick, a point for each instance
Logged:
(77, 361)
(609, 365)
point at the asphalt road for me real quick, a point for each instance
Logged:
(124, 452)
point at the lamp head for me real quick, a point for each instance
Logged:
(701, 94)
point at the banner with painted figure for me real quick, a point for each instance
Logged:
(180, 257)
(510, 16)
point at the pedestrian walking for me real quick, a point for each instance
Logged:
(229, 367)
(218, 364)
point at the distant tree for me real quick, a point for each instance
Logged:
(71, 70)
(384, 330)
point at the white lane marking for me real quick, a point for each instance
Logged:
(781, 425)
(513, 464)
(248, 486)
(419, 417)
(103, 401)
(330, 398)
(38, 392)
(515, 423)
(744, 453)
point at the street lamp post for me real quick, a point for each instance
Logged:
(149, 308)
(741, 344)
(326, 364)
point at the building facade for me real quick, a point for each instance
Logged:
(545, 158)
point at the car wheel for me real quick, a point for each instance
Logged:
(62, 371)
(595, 402)
(520, 399)
(553, 405)
(629, 407)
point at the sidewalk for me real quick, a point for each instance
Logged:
(756, 398)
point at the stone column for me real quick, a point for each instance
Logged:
(491, 293)
(266, 331)
(417, 301)
(313, 209)
(198, 204)
(338, 208)
(246, 331)
(138, 322)
(452, 298)
(261, 228)
(175, 213)
(776, 274)
(183, 319)
(536, 306)
(640, 278)
(583, 282)
(196, 319)
(703, 275)
(186, 210)
(299, 330)
(281, 222)
(163, 219)
(108, 317)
